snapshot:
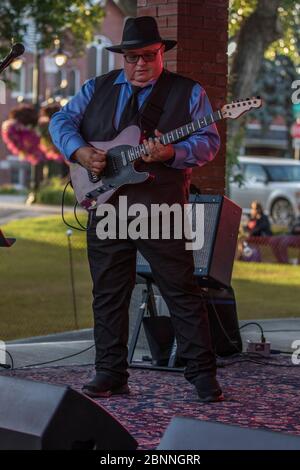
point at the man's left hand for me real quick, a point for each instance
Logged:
(157, 152)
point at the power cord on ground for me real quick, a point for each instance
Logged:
(46, 362)
(246, 357)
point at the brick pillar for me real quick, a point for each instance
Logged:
(200, 27)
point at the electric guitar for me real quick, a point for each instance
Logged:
(123, 151)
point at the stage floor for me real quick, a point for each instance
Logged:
(257, 396)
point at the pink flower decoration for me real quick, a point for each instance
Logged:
(22, 141)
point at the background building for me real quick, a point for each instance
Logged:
(57, 83)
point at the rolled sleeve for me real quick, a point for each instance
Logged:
(74, 144)
(64, 126)
(203, 145)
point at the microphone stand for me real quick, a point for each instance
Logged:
(4, 66)
(6, 242)
(16, 51)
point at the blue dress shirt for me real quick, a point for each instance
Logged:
(196, 150)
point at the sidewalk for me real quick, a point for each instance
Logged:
(280, 332)
(14, 207)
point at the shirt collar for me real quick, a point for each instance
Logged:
(122, 79)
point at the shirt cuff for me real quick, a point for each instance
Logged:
(178, 160)
(74, 144)
(170, 161)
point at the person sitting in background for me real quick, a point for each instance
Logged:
(295, 227)
(258, 224)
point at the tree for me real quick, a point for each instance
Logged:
(260, 29)
(72, 22)
(52, 18)
(129, 7)
(274, 83)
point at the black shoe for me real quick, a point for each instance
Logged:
(105, 385)
(208, 389)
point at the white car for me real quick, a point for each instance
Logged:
(275, 182)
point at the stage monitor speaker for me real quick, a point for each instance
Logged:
(36, 415)
(214, 260)
(193, 434)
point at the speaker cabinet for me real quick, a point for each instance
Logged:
(223, 321)
(213, 268)
(214, 260)
(193, 434)
(36, 415)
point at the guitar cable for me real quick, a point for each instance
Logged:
(81, 227)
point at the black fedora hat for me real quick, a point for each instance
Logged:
(140, 32)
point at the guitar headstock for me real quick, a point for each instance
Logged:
(239, 107)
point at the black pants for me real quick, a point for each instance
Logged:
(113, 270)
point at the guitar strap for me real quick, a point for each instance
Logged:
(153, 108)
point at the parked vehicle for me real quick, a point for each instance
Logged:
(275, 182)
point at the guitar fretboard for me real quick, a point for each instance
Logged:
(176, 135)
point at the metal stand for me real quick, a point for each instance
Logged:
(6, 242)
(148, 308)
(222, 318)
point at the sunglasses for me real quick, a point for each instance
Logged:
(147, 57)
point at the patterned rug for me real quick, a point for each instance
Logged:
(257, 396)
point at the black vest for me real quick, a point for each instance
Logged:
(169, 185)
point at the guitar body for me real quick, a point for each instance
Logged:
(121, 152)
(118, 172)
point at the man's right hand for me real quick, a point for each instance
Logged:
(91, 158)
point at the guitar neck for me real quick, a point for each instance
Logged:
(177, 134)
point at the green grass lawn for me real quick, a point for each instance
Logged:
(36, 292)
(266, 290)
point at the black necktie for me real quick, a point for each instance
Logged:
(131, 109)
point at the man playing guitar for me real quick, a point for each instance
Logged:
(103, 107)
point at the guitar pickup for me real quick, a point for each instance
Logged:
(97, 191)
